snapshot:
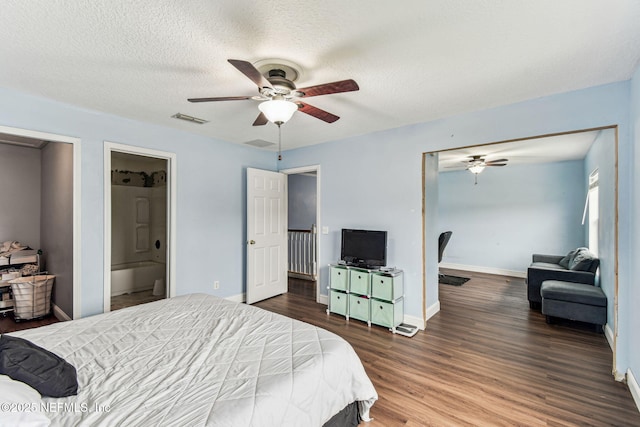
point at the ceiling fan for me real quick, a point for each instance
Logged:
(476, 164)
(280, 96)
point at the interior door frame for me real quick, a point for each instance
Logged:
(322, 299)
(110, 147)
(75, 142)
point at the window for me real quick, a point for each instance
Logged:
(594, 216)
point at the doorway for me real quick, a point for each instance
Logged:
(56, 210)
(139, 225)
(303, 223)
(602, 155)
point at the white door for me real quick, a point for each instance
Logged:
(266, 234)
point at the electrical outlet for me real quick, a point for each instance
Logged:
(216, 285)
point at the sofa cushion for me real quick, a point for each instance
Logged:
(546, 265)
(582, 260)
(573, 292)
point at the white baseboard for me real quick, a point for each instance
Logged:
(324, 299)
(432, 310)
(413, 320)
(608, 333)
(488, 270)
(237, 298)
(634, 388)
(59, 314)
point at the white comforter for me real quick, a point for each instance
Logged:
(200, 360)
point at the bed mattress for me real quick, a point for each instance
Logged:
(198, 360)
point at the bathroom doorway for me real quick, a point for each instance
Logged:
(139, 220)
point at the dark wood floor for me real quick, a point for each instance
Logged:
(8, 324)
(485, 359)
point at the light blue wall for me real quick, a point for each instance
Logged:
(631, 299)
(375, 180)
(210, 189)
(302, 201)
(512, 212)
(370, 181)
(601, 156)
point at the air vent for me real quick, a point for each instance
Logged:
(260, 143)
(188, 118)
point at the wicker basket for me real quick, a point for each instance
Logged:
(32, 296)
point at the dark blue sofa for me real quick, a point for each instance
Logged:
(578, 266)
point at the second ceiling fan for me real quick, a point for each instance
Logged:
(280, 96)
(476, 164)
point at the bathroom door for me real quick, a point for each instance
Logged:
(266, 234)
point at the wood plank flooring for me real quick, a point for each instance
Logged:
(8, 324)
(485, 359)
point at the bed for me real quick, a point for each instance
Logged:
(199, 360)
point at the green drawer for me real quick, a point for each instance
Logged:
(386, 313)
(338, 279)
(386, 287)
(359, 282)
(339, 303)
(359, 307)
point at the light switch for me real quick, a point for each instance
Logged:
(325, 230)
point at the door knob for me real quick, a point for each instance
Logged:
(252, 242)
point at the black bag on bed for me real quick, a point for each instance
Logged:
(44, 371)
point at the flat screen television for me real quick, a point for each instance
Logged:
(364, 248)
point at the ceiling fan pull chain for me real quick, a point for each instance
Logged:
(279, 143)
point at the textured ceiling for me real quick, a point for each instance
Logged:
(415, 60)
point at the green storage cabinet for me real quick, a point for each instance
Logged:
(339, 303)
(387, 313)
(339, 278)
(359, 282)
(387, 287)
(359, 307)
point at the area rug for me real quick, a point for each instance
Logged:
(445, 279)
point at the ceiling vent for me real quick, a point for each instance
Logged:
(188, 118)
(260, 143)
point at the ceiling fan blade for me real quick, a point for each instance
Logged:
(317, 112)
(328, 88)
(250, 71)
(261, 120)
(497, 161)
(220, 98)
(495, 164)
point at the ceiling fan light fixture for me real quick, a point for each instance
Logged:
(476, 169)
(278, 111)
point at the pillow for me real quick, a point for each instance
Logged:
(49, 374)
(20, 405)
(564, 262)
(582, 261)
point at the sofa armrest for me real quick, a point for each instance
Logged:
(539, 275)
(551, 259)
